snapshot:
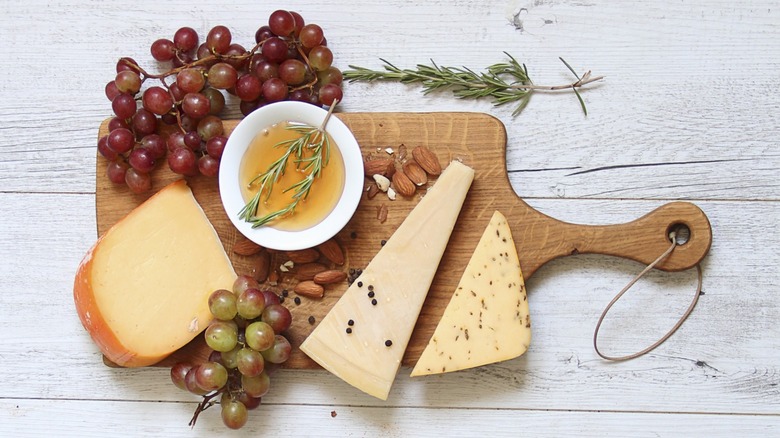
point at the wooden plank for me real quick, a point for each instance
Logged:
(31, 418)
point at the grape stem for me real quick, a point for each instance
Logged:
(466, 83)
(205, 404)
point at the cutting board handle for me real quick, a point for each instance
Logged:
(642, 240)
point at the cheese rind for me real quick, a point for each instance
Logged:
(398, 279)
(142, 289)
(487, 318)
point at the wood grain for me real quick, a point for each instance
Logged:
(479, 141)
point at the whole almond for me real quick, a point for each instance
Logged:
(332, 251)
(402, 152)
(309, 289)
(379, 166)
(246, 247)
(307, 271)
(415, 173)
(372, 190)
(403, 185)
(330, 277)
(307, 255)
(427, 160)
(262, 266)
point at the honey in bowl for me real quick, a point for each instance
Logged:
(325, 191)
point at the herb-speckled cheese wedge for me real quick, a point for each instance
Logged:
(487, 319)
(385, 301)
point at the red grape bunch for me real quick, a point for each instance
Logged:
(177, 113)
(245, 338)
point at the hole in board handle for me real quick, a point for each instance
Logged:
(682, 233)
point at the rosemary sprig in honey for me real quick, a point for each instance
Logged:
(312, 139)
(505, 82)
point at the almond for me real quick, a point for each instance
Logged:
(415, 173)
(403, 185)
(379, 166)
(309, 289)
(307, 271)
(330, 277)
(303, 255)
(427, 160)
(273, 277)
(402, 152)
(381, 213)
(246, 247)
(262, 266)
(372, 190)
(332, 251)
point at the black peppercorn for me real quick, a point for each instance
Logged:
(373, 302)
(388, 343)
(371, 294)
(349, 330)
(311, 319)
(350, 322)
(297, 300)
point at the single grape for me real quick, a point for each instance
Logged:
(192, 140)
(116, 123)
(191, 382)
(281, 23)
(222, 304)
(274, 90)
(222, 75)
(256, 386)
(320, 58)
(216, 100)
(154, 144)
(299, 22)
(218, 39)
(124, 105)
(292, 71)
(208, 166)
(234, 414)
(112, 91)
(176, 92)
(330, 76)
(302, 95)
(249, 87)
(210, 126)
(229, 358)
(221, 336)
(196, 105)
(266, 70)
(278, 317)
(263, 33)
(248, 401)
(203, 51)
(181, 59)
(116, 172)
(275, 49)
(137, 181)
(175, 141)
(215, 146)
(185, 39)
(183, 161)
(244, 282)
(188, 123)
(127, 64)
(215, 356)
(105, 150)
(141, 160)
(190, 80)
(157, 100)
(280, 351)
(236, 56)
(249, 362)
(259, 336)
(179, 373)
(330, 93)
(250, 303)
(168, 119)
(211, 376)
(270, 298)
(311, 36)
(120, 140)
(144, 122)
(163, 49)
(247, 106)
(128, 81)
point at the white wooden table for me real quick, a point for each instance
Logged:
(689, 110)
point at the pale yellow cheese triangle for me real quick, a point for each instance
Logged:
(385, 301)
(487, 319)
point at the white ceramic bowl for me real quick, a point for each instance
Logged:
(230, 163)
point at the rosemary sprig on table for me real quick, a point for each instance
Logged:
(505, 82)
(313, 139)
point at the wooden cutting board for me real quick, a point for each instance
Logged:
(478, 140)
